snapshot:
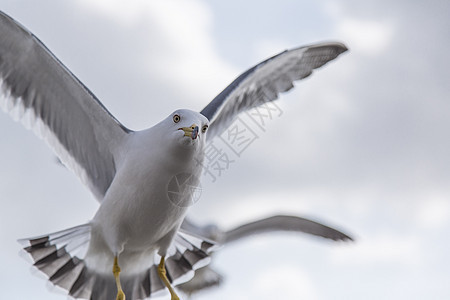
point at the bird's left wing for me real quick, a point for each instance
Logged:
(265, 81)
(274, 223)
(39, 90)
(285, 223)
(207, 277)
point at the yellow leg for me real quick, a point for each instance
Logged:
(116, 272)
(163, 276)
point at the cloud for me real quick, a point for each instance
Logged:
(381, 248)
(178, 44)
(367, 36)
(283, 282)
(434, 211)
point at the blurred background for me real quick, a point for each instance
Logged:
(362, 145)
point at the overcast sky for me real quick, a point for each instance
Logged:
(362, 145)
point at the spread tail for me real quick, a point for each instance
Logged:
(60, 256)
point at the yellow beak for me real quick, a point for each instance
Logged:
(191, 132)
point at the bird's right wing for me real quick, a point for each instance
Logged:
(37, 89)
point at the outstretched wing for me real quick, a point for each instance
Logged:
(39, 90)
(284, 223)
(281, 223)
(207, 277)
(265, 81)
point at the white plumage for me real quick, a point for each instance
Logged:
(129, 172)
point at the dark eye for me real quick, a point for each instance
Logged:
(204, 128)
(176, 118)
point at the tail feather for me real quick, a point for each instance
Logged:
(82, 286)
(59, 256)
(177, 266)
(156, 283)
(68, 274)
(195, 256)
(192, 253)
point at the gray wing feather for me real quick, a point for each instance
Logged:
(284, 223)
(265, 81)
(270, 224)
(206, 277)
(39, 90)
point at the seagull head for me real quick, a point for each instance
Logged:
(188, 127)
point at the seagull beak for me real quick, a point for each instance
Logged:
(191, 132)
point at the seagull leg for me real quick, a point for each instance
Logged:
(116, 272)
(163, 276)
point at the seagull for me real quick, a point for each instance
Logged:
(144, 180)
(206, 277)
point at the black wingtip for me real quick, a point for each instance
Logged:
(337, 46)
(341, 237)
(342, 48)
(346, 238)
